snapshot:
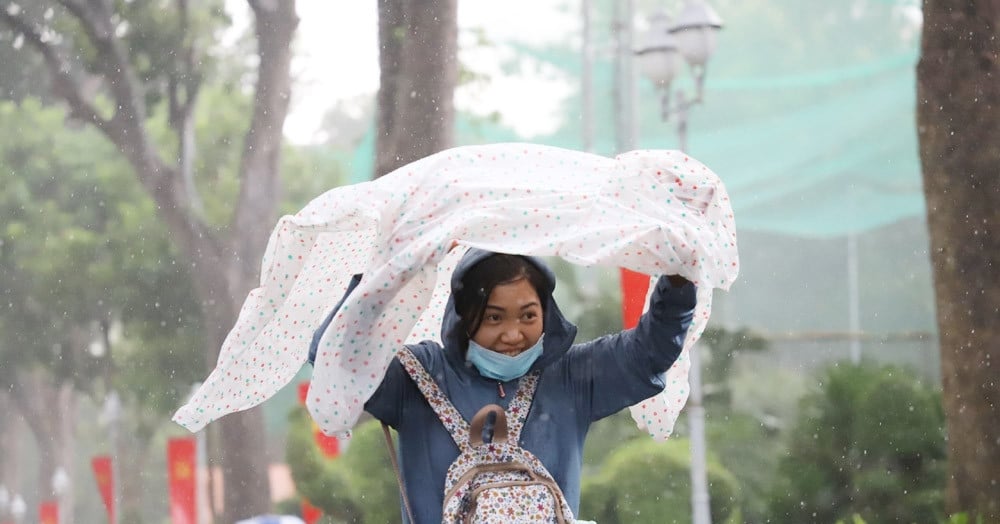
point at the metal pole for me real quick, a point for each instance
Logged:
(631, 85)
(700, 511)
(114, 409)
(682, 121)
(853, 303)
(201, 463)
(587, 77)
(625, 85)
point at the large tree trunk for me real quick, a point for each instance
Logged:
(224, 269)
(958, 118)
(11, 434)
(50, 412)
(418, 46)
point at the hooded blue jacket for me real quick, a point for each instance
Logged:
(579, 384)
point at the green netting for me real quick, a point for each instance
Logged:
(809, 115)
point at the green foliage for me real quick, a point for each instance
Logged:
(958, 518)
(963, 518)
(750, 451)
(589, 297)
(21, 74)
(83, 261)
(605, 436)
(308, 172)
(649, 482)
(721, 346)
(871, 442)
(359, 486)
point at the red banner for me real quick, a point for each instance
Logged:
(48, 512)
(634, 289)
(303, 392)
(330, 446)
(310, 513)
(181, 464)
(105, 482)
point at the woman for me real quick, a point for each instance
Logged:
(500, 323)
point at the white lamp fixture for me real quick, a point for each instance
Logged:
(659, 57)
(692, 36)
(18, 508)
(696, 30)
(60, 481)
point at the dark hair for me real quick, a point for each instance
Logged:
(478, 283)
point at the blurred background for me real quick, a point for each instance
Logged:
(147, 149)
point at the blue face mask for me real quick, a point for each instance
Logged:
(501, 367)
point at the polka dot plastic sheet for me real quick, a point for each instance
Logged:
(651, 211)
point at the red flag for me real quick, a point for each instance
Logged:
(310, 513)
(330, 446)
(48, 512)
(105, 482)
(634, 289)
(181, 464)
(303, 392)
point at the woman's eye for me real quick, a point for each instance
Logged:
(493, 318)
(531, 315)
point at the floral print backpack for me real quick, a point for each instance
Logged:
(494, 480)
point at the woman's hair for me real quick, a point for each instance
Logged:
(478, 283)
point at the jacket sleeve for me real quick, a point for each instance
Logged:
(621, 370)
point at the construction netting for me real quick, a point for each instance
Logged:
(809, 119)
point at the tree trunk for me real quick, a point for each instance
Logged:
(958, 118)
(245, 467)
(50, 413)
(224, 270)
(11, 433)
(418, 42)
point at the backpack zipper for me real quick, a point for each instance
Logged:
(500, 390)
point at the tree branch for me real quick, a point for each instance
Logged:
(64, 85)
(276, 22)
(127, 130)
(26, 399)
(182, 90)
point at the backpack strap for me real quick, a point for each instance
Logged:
(445, 410)
(517, 411)
(399, 476)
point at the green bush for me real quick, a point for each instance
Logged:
(358, 486)
(750, 451)
(869, 442)
(649, 482)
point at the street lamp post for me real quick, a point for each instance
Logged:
(4, 502)
(692, 37)
(18, 508)
(111, 417)
(61, 486)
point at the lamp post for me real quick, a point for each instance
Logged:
(60, 486)
(4, 502)
(18, 508)
(111, 417)
(691, 38)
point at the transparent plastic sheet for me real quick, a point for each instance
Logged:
(655, 212)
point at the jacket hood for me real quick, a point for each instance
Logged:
(559, 332)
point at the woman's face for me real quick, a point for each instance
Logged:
(512, 321)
